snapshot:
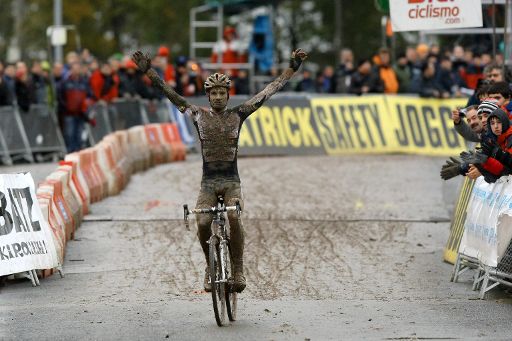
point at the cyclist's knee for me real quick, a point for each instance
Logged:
(233, 201)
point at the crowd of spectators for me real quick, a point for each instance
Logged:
(83, 80)
(424, 70)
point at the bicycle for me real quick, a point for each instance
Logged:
(220, 264)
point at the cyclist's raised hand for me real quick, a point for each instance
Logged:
(142, 61)
(297, 58)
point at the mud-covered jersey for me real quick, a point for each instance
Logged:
(219, 132)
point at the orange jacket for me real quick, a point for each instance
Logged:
(388, 76)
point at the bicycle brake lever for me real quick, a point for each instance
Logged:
(186, 212)
(238, 208)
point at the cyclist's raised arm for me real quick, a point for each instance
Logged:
(144, 64)
(277, 84)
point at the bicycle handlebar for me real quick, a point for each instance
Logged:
(210, 210)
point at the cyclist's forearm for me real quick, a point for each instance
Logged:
(172, 95)
(277, 84)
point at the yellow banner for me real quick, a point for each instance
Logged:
(379, 124)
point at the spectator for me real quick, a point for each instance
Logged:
(365, 80)
(386, 73)
(501, 92)
(306, 84)
(166, 69)
(344, 71)
(132, 84)
(10, 81)
(71, 58)
(449, 82)
(426, 85)
(470, 130)
(423, 53)
(58, 72)
(403, 73)
(39, 83)
(104, 84)
(242, 83)
(494, 73)
(72, 97)
(458, 58)
(5, 96)
(24, 89)
(473, 71)
(413, 61)
(327, 83)
(228, 50)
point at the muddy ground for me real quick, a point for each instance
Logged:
(337, 248)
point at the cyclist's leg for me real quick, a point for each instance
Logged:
(206, 199)
(237, 233)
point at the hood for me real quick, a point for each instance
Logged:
(502, 116)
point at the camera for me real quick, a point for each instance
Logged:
(463, 112)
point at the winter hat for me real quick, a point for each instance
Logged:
(487, 107)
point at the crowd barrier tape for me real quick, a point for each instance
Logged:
(88, 176)
(334, 125)
(26, 240)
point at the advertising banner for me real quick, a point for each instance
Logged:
(487, 231)
(417, 15)
(335, 125)
(26, 241)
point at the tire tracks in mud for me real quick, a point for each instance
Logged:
(307, 259)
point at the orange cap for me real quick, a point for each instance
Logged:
(130, 64)
(163, 51)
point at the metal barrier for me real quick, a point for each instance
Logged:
(14, 134)
(4, 151)
(155, 111)
(125, 114)
(100, 112)
(42, 130)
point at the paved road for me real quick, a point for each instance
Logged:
(337, 248)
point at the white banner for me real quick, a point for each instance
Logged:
(488, 227)
(26, 241)
(418, 15)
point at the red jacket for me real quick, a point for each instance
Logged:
(104, 87)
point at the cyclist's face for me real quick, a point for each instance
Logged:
(218, 98)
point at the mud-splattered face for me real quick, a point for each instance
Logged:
(218, 97)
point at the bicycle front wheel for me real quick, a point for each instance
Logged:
(218, 286)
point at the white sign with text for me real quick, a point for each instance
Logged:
(26, 241)
(419, 15)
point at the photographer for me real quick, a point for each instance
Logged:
(472, 130)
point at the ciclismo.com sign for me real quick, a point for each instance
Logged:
(417, 15)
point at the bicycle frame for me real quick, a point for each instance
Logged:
(219, 274)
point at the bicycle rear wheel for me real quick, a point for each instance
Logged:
(218, 288)
(231, 295)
